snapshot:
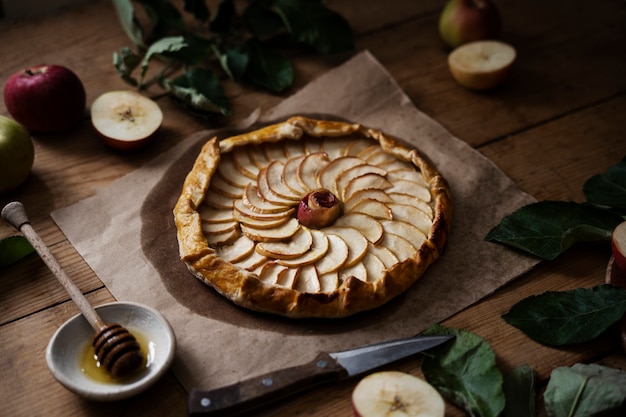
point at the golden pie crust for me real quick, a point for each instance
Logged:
(237, 228)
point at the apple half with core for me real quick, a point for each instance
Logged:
(17, 154)
(125, 119)
(481, 65)
(45, 98)
(463, 21)
(318, 208)
(392, 393)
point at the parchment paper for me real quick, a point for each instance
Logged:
(126, 234)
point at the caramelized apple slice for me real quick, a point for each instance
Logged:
(275, 234)
(364, 223)
(335, 257)
(297, 246)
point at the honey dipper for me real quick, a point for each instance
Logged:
(116, 348)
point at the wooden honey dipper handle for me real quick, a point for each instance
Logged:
(15, 214)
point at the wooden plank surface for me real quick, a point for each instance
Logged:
(558, 121)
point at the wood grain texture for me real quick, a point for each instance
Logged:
(555, 123)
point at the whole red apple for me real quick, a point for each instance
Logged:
(17, 154)
(463, 21)
(45, 98)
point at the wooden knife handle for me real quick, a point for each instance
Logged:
(256, 392)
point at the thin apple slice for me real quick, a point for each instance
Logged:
(256, 223)
(361, 195)
(270, 271)
(274, 151)
(379, 157)
(411, 200)
(310, 166)
(357, 243)
(412, 188)
(327, 176)
(257, 155)
(387, 393)
(230, 173)
(388, 258)
(267, 193)
(226, 238)
(294, 148)
(297, 246)
(413, 215)
(408, 175)
(312, 145)
(335, 147)
(366, 182)
(242, 161)
(399, 246)
(218, 200)
(254, 262)
(254, 202)
(375, 208)
(287, 277)
(357, 271)
(221, 186)
(336, 255)
(211, 228)
(276, 183)
(238, 250)
(307, 280)
(329, 282)
(275, 234)
(374, 266)
(319, 248)
(290, 175)
(365, 153)
(364, 223)
(242, 209)
(344, 178)
(411, 233)
(397, 165)
(213, 215)
(358, 146)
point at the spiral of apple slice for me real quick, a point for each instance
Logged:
(319, 208)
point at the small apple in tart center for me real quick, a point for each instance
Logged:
(318, 208)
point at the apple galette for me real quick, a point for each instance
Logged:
(311, 218)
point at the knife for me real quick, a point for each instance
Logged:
(262, 390)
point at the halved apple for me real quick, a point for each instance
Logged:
(124, 119)
(481, 65)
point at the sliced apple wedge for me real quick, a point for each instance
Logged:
(344, 178)
(375, 208)
(279, 233)
(213, 215)
(253, 262)
(312, 145)
(294, 148)
(366, 182)
(364, 223)
(357, 271)
(481, 65)
(266, 192)
(290, 175)
(413, 215)
(327, 176)
(399, 246)
(218, 200)
(274, 151)
(211, 228)
(379, 157)
(357, 243)
(388, 393)
(385, 255)
(336, 255)
(238, 250)
(270, 271)
(412, 188)
(242, 209)
(374, 267)
(242, 161)
(257, 155)
(358, 146)
(310, 166)
(329, 282)
(408, 175)
(287, 277)
(411, 200)
(221, 186)
(297, 246)
(411, 233)
(230, 173)
(319, 249)
(226, 238)
(307, 280)
(277, 185)
(397, 165)
(252, 200)
(365, 194)
(366, 152)
(335, 147)
(266, 223)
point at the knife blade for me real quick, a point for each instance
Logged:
(256, 392)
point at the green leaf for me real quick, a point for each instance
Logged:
(186, 49)
(14, 248)
(223, 20)
(234, 61)
(125, 62)
(165, 17)
(310, 22)
(585, 391)
(519, 391)
(548, 228)
(465, 372)
(262, 21)
(126, 16)
(198, 9)
(609, 188)
(561, 318)
(267, 68)
(200, 90)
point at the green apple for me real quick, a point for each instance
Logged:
(17, 154)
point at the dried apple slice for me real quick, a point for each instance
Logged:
(309, 168)
(327, 176)
(364, 223)
(357, 243)
(406, 230)
(344, 178)
(238, 250)
(307, 280)
(336, 255)
(319, 248)
(275, 182)
(413, 215)
(275, 234)
(375, 208)
(297, 246)
(366, 182)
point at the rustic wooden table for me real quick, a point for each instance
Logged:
(559, 120)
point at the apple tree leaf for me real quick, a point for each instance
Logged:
(125, 63)
(561, 318)
(200, 90)
(608, 189)
(14, 248)
(586, 391)
(267, 68)
(233, 60)
(130, 25)
(519, 391)
(548, 228)
(465, 372)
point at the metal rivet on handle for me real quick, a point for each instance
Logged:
(205, 402)
(322, 363)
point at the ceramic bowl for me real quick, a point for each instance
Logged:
(66, 352)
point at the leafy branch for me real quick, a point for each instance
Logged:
(196, 46)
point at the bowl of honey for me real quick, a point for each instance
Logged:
(71, 358)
